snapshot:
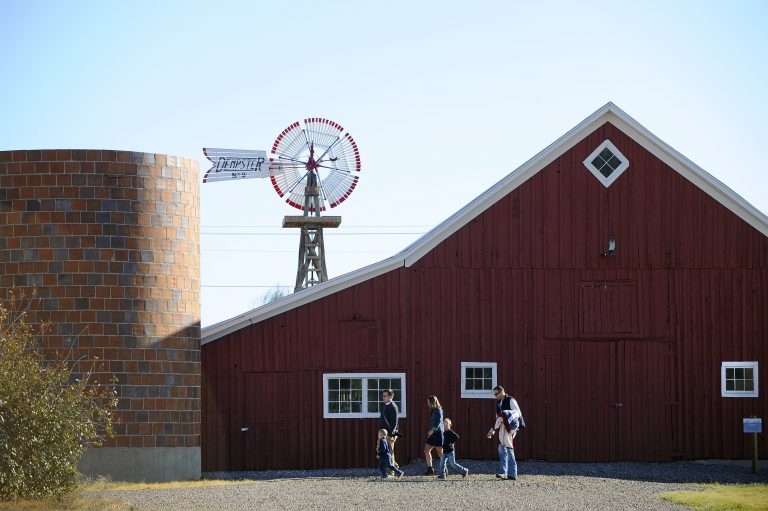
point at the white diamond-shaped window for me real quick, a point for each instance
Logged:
(606, 163)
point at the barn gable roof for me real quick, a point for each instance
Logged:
(411, 254)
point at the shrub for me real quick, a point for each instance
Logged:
(49, 415)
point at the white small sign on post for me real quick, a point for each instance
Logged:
(753, 425)
(229, 164)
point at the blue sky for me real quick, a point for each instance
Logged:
(443, 99)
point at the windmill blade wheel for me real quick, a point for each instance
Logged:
(316, 159)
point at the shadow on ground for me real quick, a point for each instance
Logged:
(671, 472)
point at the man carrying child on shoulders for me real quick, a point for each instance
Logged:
(509, 418)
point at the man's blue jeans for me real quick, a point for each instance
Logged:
(507, 462)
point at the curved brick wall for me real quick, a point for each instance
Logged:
(110, 242)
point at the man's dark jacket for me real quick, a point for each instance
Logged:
(389, 417)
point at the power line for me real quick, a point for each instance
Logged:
(294, 233)
(345, 226)
(214, 285)
(292, 251)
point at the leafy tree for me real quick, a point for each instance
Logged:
(49, 415)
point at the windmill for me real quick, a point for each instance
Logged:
(312, 166)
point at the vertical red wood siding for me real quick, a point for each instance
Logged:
(611, 358)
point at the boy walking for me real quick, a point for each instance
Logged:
(449, 451)
(382, 454)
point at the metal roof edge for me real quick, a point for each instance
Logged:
(608, 112)
(504, 186)
(218, 330)
(689, 170)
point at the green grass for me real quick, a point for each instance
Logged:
(83, 499)
(73, 502)
(107, 485)
(719, 497)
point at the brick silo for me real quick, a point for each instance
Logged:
(110, 242)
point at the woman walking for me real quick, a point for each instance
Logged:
(435, 433)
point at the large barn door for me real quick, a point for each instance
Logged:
(580, 392)
(644, 419)
(270, 407)
(607, 401)
(220, 424)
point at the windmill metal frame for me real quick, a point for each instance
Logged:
(299, 154)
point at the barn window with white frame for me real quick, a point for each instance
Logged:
(358, 395)
(739, 379)
(606, 163)
(478, 379)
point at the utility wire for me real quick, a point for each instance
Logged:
(213, 285)
(291, 251)
(325, 233)
(345, 226)
(397, 233)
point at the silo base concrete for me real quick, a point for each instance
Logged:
(142, 464)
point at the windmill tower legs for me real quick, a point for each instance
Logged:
(312, 269)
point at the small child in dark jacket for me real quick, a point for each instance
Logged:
(383, 455)
(449, 452)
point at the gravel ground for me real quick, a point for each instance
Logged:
(540, 486)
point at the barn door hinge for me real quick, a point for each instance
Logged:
(617, 405)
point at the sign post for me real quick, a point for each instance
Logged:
(753, 425)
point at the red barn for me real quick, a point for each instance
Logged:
(616, 289)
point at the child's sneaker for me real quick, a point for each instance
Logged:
(386, 476)
(501, 476)
(441, 476)
(464, 474)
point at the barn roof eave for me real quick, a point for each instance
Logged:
(218, 330)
